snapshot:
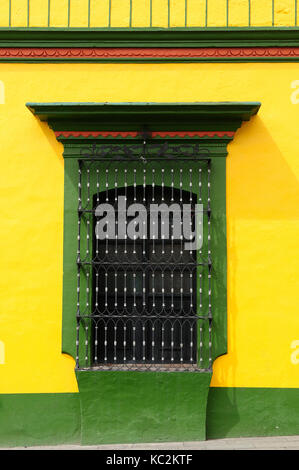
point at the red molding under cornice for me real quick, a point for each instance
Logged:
(72, 53)
(182, 134)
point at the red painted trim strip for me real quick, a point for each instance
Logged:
(143, 53)
(68, 134)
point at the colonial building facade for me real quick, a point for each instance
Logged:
(149, 189)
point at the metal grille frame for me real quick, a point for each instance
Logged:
(185, 169)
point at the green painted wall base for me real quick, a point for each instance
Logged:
(35, 419)
(50, 419)
(252, 412)
(142, 406)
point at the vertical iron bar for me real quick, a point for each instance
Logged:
(153, 342)
(105, 343)
(115, 203)
(115, 289)
(181, 342)
(162, 342)
(295, 12)
(191, 343)
(78, 258)
(96, 344)
(125, 342)
(86, 326)
(210, 264)
(143, 340)
(151, 13)
(168, 13)
(77, 342)
(200, 345)
(172, 342)
(273, 14)
(115, 343)
(134, 341)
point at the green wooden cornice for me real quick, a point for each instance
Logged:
(150, 37)
(207, 116)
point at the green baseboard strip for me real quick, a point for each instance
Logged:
(245, 412)
(36, 419)
(52, 419)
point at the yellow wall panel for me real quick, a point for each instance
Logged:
(216, 13)
(284, 13)
(262, 214)
(238, 13)
(59, 13)
(19, 13)
(99, 13)
(38, 13)
(177, 13)
(160, 13)
(141, 13)
(119, 16)
(120, 13)
(261, 13)
(79, 13)
(4, 13)
(196, 13)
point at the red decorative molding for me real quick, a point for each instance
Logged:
(146, 53)
(68, 134)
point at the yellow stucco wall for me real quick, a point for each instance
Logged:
(145, 11)
(262, 214)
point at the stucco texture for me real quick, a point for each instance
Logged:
(262, 215)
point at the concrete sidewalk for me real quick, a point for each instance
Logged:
(250, 443)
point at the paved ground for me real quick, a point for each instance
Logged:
(252, 443)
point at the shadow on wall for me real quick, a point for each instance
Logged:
(261, 187)
(260, 182)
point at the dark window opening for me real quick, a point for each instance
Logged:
(144, 290)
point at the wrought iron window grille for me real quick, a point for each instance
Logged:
(143, 304)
